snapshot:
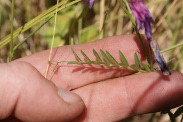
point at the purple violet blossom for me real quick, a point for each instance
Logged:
(142, 16)
(159, 58)
(91, 2)
(144, 19)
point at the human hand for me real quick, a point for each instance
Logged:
(27, 96)
(112, 100)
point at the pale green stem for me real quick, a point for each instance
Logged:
(30, 35)
(52, 42)
(171, 48)
(11, 25)
(126, 3)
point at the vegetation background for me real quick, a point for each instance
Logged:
(77, 24)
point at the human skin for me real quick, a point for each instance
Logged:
(93, 93)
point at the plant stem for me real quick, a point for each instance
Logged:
(15, 47)
(148, 56)
(128, 8)
(12, 28)
(171, 48)
(52, 41)
(71, 28)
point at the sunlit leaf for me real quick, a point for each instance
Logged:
(97, 56)
(112, 58)
(105, 57)
(123, 59)
(85, 56)
(76, 56)
(137, 61)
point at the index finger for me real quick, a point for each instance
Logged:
(73, 76)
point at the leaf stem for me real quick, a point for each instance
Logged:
(144, 48)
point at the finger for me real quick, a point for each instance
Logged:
(73, 76)
(27, 95)
(120, 98)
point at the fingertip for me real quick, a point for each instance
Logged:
(73, 103)
(37, 98)
(47, 103)
(68, 96)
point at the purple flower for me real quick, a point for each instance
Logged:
(91, 2)
(144, 19)
(142, 16)
(159, 58)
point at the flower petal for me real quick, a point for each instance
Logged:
(159, 58)
(91, 2)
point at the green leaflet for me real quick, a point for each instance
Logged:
(112, 58)
(105, 57)
(85, 56)
(123, 59)
(137, 62)
(97, 56)
(77, 57)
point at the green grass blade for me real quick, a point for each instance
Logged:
(31, 34)
(105, 57)
(10, 58)
(123, 59)
(76, 56)
(137, 61)
(112, 58)
(50, 12)
(85, 56)
(97, 56)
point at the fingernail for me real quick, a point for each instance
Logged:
(68, 96)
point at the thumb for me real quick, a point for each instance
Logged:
(31, 97)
